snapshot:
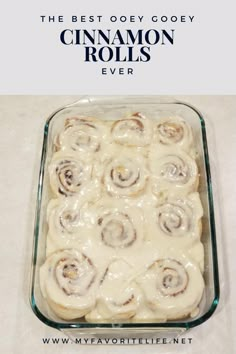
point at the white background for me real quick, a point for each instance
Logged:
(202, 61)
(22, 120)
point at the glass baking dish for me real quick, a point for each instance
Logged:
(115, 107)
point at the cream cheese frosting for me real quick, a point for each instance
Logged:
(68, 281)
(124, 224)
(135, 130)
(83, 134)
(173, 171)
(68, 173)
(174, 131)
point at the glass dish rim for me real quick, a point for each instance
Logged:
(139, 325)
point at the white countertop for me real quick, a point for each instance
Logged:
(22, 119)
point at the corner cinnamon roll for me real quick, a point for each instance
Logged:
(180, 217)
(174, 131)
(135, 130)
(118, 297)
(81, 134)
(68, 173)
(173, 288)
(174, 171)
(68, 283)
(172, 277)
(125, 176)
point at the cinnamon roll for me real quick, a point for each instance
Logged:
(118, 297)
(125, 176)
(68, 173)
(180, 217)
(118, 224)
(69, 219)
(135, 130)
(117, 230)
(81, 134)
(173, 288)
(174, 131)
(68, 282)
(174, 172)
(66, 223)
(63, 216)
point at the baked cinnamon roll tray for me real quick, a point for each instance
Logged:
(124, 232)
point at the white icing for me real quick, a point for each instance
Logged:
(68, 280)
(173, 171)
(176, 221)
(83, 134)
(125, 175)
(128, 219)
(173, 287)
(69, 173)
(196, 252)
(135, 130)
(68, 218)
(117, 224)
(117, 297)
(174, 131)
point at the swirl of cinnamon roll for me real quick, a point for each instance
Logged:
(173, 288)
(172, 277)
(117, 230)
(174, 131)
(63, 218)
(84, 134)
(180, 217)
(65, 224)
(174, 170)
(118, 224)
(125, 176)
(135, 130)
(69, 220)
(117, 296)
(67, 280)
(68, 173)
(174, 219)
